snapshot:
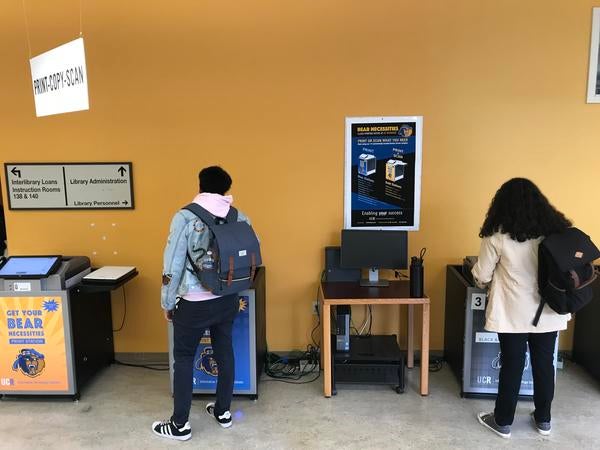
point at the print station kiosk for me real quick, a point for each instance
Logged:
(55, 332)
(249, 345)
(473, 353)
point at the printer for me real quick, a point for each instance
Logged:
(55, 333)
(42, 273)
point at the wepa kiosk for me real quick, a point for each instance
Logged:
(54, 334)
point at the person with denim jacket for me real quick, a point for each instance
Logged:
(193, 309)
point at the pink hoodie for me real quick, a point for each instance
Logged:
(218, 205)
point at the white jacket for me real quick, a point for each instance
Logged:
(510, 269)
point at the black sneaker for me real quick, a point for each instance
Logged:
(169, 430)
(224, 419)
(488, 421)
(544, 428)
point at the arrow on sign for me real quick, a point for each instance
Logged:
(16, 172)
(122, 170)
(125, 202)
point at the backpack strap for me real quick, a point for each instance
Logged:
(209, 221)
(543, 280)
(202, 214)
(538, 313)
(207, 217)
(232, 215)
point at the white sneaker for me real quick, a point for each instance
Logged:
(224, 419)
(488, 421)
(544, 428)
(169, 430)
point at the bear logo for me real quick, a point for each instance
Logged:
(207, 363)
(30, 362)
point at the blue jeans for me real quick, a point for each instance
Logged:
(190, 320)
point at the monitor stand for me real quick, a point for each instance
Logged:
(374, 280)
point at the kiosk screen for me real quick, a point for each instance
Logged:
(29, 266)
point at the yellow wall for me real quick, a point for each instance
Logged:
(262, 88)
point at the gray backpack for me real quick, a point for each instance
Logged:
(235, 250)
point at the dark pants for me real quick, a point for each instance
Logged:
(541, 351)
(190, 320)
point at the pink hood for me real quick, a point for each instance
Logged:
(216, 204)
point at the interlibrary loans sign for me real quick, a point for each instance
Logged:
(69, 186)
(59, 80)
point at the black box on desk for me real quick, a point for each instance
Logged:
(371, 360)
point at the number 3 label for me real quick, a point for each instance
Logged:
(478, 301)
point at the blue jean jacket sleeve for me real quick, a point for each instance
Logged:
(174, 261)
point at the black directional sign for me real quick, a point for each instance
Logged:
(69, 185)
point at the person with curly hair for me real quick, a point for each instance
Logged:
(518, 219)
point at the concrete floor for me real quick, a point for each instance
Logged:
(117, 408)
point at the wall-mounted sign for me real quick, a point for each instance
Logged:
(382, 183)
(69, 185)
(59, 80)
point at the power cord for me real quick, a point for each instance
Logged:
(436, 364)
(312, 333)
(288, 369)
(124, 311)
(155, 366)
(399, 274)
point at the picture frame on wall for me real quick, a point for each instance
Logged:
(593, 93)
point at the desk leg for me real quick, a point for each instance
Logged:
(410, 360)
(425, 351)
(326, 347)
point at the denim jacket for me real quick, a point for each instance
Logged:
(187, 234)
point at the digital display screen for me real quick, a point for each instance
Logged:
(29, 266)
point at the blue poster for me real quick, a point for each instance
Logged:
(206, 369)
(383, 173)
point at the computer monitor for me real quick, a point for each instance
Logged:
(374, 250)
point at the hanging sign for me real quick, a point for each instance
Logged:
(59, 80)
(69, 185)
(382, 183)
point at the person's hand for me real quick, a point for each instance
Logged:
(168, 315)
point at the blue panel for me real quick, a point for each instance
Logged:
(205, 366)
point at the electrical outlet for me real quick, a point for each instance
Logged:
(315, 308)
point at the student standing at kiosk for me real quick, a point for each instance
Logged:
(519, 217)
(192, 308)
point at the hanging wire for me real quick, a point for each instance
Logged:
(27, 29)
(27, 24)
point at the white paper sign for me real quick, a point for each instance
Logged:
(486, 338)
(59, 80)
(22, 287)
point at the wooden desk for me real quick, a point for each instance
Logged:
(351, 293)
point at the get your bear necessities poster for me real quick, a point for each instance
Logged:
(32, 344)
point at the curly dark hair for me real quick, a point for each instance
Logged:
(520, 210)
